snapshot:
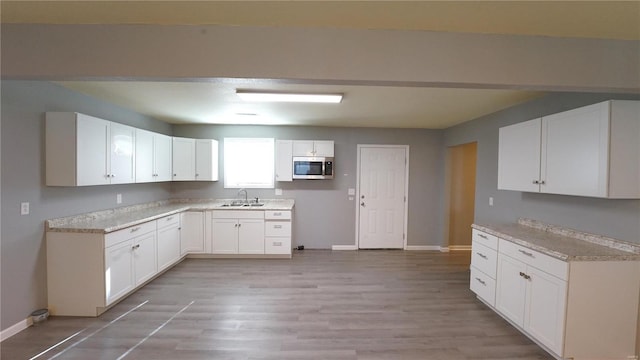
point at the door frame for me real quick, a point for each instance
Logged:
(406, 190)
(447, 199)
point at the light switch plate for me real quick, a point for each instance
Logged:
(490, 201)
(351, 191)
(278, 191)
(119, 199)
(24, 208)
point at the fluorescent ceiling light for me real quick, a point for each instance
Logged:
(266, 96)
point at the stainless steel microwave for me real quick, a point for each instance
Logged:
(315, 168)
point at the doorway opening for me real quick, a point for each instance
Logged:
(461, 195)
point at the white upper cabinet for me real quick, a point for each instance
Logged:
(206, 160)
(313, 148)
(590, 151)
(519, 156)
(153, 156)
(195, 159)
(284, 160)
(184, 159)
(84, 150)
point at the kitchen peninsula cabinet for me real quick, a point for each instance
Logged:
(575, 294)
(83, 150)
(589, 151)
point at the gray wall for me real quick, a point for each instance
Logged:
(615, 218)
(23, 246)
(323, 214)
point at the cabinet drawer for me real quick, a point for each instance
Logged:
(481, 237)
(168, 220)
(284, 215)
(546, 263)
(119, 236)
(277, 245)
(484, 259)
(483, 286)
(277, 228)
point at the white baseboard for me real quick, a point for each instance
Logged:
(460, 248)
(344, 247)
(14, 329)
(423, 248)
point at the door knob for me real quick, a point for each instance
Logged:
(362, 204)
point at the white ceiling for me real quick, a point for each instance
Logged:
(214, 101)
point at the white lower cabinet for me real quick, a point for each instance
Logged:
(192, 233)
(575, 310)
(483, 266)
(237, 232)
(168, 241)
(118, 271)
(277, 232)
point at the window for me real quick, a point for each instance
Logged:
(248, 163)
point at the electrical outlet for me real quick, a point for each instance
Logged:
(278, 191)
(119, 199)
(24, 208)
(490, 201)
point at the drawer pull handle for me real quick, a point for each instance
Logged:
(135, 229)
(277, 214)
(526, 253)
(277, 226)
(481, 281)
(170, 218)
(483, 236)
(277, 243)
(482, 255)
(527, 277)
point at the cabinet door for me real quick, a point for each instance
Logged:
(162, 157)
(168, 246)
(545, 304)
(91, 152)
(511, 289)
(206, 160)
(118, 271)
(224, 236)
(323, 148)
(250, 236)
(303, 148)
(519, 156)
(184, 159)
(144, 257)
(192, 233)
(284, 160)
(144, 156)
(121, 154)
(575, 151)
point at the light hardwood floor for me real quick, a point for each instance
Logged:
(318, 305)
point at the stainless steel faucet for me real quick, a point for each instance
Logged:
(246, 201)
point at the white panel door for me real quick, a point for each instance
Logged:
(92, 151)
(184, 159)
(382, 192)
(144, 156)
(519, 156)
(162, 157)
(224, 236)
(118, 272)
(250, 236)
(121, 155)
(576, 155)
(545, 304)
(144, 257)
(511, 289)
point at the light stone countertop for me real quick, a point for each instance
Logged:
(107, 221)
(561, 243)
